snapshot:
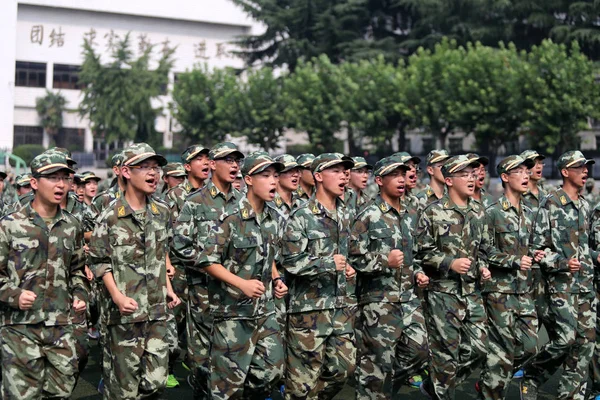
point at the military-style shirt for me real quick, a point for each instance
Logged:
(595, 242)
(562, 230)
(175, 197)
(133, 246)
(354, 200)
(46, 259)
(427, 196)
(284, 208)
(302, 194)
(103, 199)
(378, 229)
(247, 245)
(413, 208)
(532, 201)
(312, 237)
(446, 232)
(509, 233)
(486, 199)
(200, 212)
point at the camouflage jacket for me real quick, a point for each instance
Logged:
(134, 249)
(427, 196)
(302, 194)
(532, 201)
(509, 233)
(413, 208)
(284, 208)
(377, 230)
(200, 212)
(103, 199)
(175, 197)
(591, 198)
(47, 260)
(352, 199)
(312, 237)
(80, 211)
(595, 242)
(446, 232)
(486, 199)
(247, 245)
(562, 230)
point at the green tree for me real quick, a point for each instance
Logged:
(117, 97)
(198, 104)
(50, 109)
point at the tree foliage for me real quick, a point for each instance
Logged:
(50, 109)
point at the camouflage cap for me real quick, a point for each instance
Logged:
(512, 162)
(573, 159)
(66, 153)
(89, 176)
(436, 156)
(305, 160)
(259, 161)
(3, 175)
(288, 161)
(140, 152)
(482, 160)
(49, 162)
(458, 163)
(117, 159)
(174, 169)
(404, 157)
(192, 152)
(589, 183)
(532, 154)
(360, 162)
(23, 180)
(77, 179)
(389, 164)
(328, 160)
(224, 149)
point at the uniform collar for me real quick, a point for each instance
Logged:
(448, 204)
(124, 209)
(214, 191)
(37, 219)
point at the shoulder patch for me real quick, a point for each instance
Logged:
(315, 209)
(505, 205)
(384, 207)
(245, 213)
(563, 200)
(213, 191)
(121, 211)
(154, 208)
(117, 194)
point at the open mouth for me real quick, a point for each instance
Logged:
(152, 182)
(272, 193)
(58, 195)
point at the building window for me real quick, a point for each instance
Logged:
(30, 74)
(27, 135)
(66, 77)
(455, 145)
(71, 138)
(428, 144)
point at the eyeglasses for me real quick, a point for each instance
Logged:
(540, 163)
(520, 172)
(56, 179)
(145, 168)
(232, 160)
(466, 175)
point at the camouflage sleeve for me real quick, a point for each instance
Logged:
(429, 255)
(88, 218)
(497, 258)
(546, 231)
(296, 259)
(183, 250)
(215, 250)
(485, 247)
(595, 236)
(9, 291)
(360, 257)
(78, 283)
(99, 252)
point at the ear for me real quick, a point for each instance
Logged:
(318, 177)
(34, 183)
(379, 181)
(448, 181)
(504, 177)
(248, 180)
(126, 172)
(564, 172)
(187, 167)
(430, 170)
(213, 164)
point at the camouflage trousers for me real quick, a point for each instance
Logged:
(392, 347)
(457, 329)
(512, 329)
(321, 353)
(39, 361)
(198, 330)
(539, 296)
(176, 319)
(246, 358)
(139, 359)
(572, 339)
(595, 364)
(82, 345)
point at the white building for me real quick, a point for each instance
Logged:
(42, 50)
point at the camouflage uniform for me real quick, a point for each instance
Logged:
(454, 313)
(199, 214)
(427, 195)
(562, 230)
(321, 350)
(38, 349)
(393, 342)
(304, 161)
(172, 169)
(595, 252)
(513, 322)
(133, 245)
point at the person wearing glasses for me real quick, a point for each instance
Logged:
(562, 230)
(452, 251)
(42, 287)
(436, 187)
(201, 210)
(129, 252)
(512, 319)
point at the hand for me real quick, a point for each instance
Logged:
(340, 262)
(574, 265)
(350, 272)
(485, 273)
(526, 263)
(461, 265)
(252, 288)
(170, 271)
(127, 305)
(395, 258)
(89, 274)
(79, 306)
(280, 288)
(422, 280)
(26, 299)
(172, 299)
(538, 255)
(86, 249)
